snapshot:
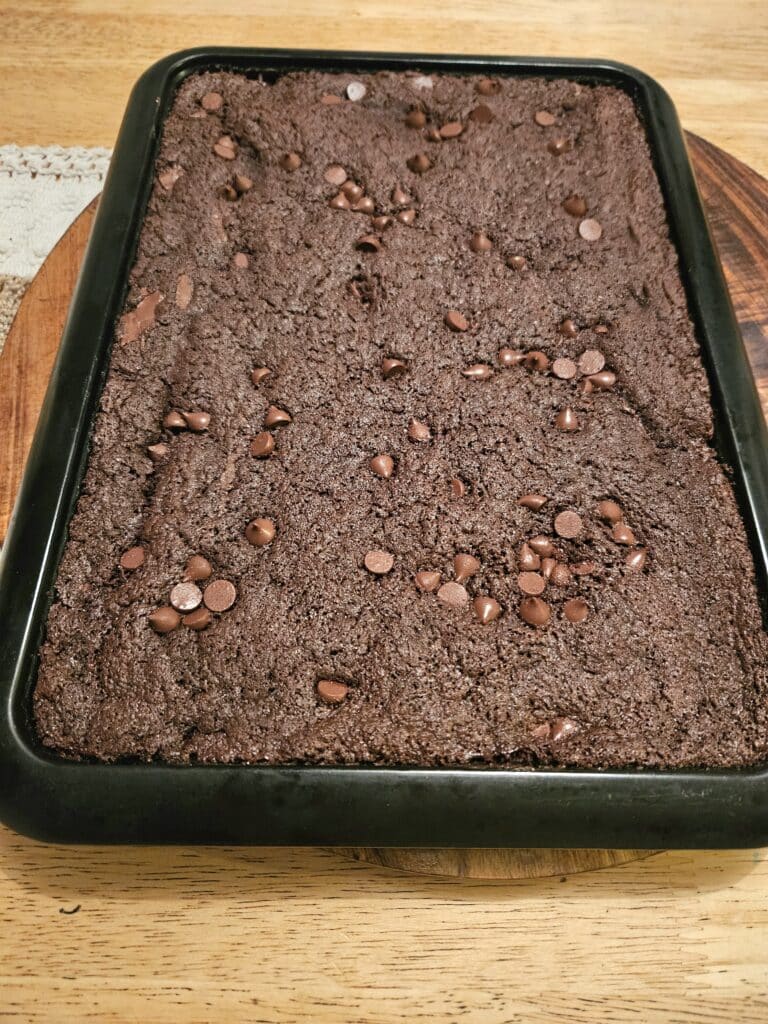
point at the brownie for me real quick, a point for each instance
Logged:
(405, 454)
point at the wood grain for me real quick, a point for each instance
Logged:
(307, 937)
(67, 66)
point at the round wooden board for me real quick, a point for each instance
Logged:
(737, 205)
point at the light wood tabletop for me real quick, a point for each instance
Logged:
(304, 936)
(67, 65)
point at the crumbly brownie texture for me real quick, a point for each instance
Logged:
(365, 320)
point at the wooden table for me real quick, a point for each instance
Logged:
(284, 936)
(67, 67)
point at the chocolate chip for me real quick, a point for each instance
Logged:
(368, 243)
(532, 583)
(458, 487)
(226, 148)
(568, 328)
(364, 205)
(277, 417)
(610, 511)
(487, 87)
(132, 559)
(568, 524)
(199, 619)
(356, 91)
(559, 146)
(600, 329)
(481, 114)
(536, 360)
(419, 164)
(527, 558)
(534, 611)
(184, 291)
(185, 597)
(229, 193)
(480, 242)
(379, 562)
(433, 135)
(451, 130)
(382, 465)
(565, 369)
(262, 445)
(352, 190)
(173, 420)
(169, 177)
(240, 259)
(567, 420)
(456, 320)
(164, 619)
(290, 161)
(242, 183)
(339, 202)
(590, 230)
(583, 568)
(622, 534)
(453, 594)
(331, 691)
(335, 174)
(406, 217)
(575, 205)
(517, 262)
(419, 431)
(392, 367)
(380, 223)
(212, 102)
(259, 373)
(636, 559)
(511, 356)
(220, 595)
(533, 501)
(560, 575)
(486, 609)
(415, 118)
(198, 422)
(399, 196)
(548, 567)
(465, 566)
(158, 452)
(562, 727)
(576, 609)
(591, 362)
(602, 381)
(140, 319)
(260, 532)
(542, 545)
(478, 371)
(198, 568)
(427, 581)
(544, 119)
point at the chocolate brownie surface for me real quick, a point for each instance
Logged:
(650, 649)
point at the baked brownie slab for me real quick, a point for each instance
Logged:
(404, 455)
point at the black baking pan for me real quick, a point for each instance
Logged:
(53, 799)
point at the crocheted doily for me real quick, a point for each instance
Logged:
(42, 190)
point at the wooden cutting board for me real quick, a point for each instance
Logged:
(736, 199)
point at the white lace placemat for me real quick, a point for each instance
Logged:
(42, 190)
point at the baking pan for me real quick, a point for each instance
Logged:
(50, 798)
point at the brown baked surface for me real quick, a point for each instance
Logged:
(669, 666)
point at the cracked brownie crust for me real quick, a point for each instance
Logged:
(452, 319)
